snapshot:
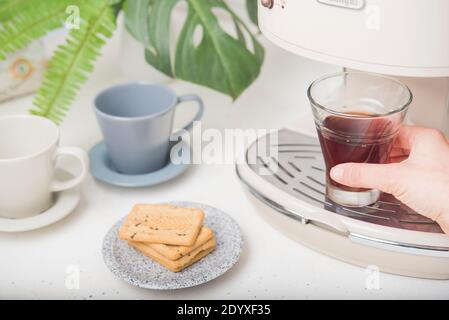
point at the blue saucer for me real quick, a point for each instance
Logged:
(102, 169)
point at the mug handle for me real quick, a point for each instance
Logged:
(82, 157)
(198, 116)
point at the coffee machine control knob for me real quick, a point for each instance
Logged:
(267, 3)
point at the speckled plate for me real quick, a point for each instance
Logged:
(133, 267)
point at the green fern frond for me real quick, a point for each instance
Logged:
(27, 20)
(9, 8)
(73, 60)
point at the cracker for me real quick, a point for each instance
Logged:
(162, 223)
(172, 252)
(183, 262)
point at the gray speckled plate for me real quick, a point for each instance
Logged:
(133, 267)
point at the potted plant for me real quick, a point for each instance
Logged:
(204, 53)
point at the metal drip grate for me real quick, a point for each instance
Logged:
(301, 174)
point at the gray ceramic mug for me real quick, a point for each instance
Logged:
(136, 120)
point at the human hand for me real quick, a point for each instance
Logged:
(418, 175)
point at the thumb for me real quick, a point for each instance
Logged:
(444, 223)
(383, 177)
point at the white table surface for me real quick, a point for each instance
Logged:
(34, 264)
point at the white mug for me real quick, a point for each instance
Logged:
(28, 153)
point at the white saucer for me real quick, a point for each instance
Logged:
(64, 203)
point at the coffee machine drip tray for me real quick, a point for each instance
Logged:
(301, 173)
(292, 181)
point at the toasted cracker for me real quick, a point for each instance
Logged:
(173, 252)
(162, 223)
(183, 262)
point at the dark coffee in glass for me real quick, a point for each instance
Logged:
(357, 116)
(355, 139)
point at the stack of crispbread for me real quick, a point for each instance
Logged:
(172, 236)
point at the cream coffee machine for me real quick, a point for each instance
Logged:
(407, 39)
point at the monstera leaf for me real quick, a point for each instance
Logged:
(251, 7)
(149, 22)
(219, 60)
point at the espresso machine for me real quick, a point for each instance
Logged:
(406, 39)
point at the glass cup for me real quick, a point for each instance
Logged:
(357, 116)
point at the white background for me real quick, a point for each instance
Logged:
(33, 264)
